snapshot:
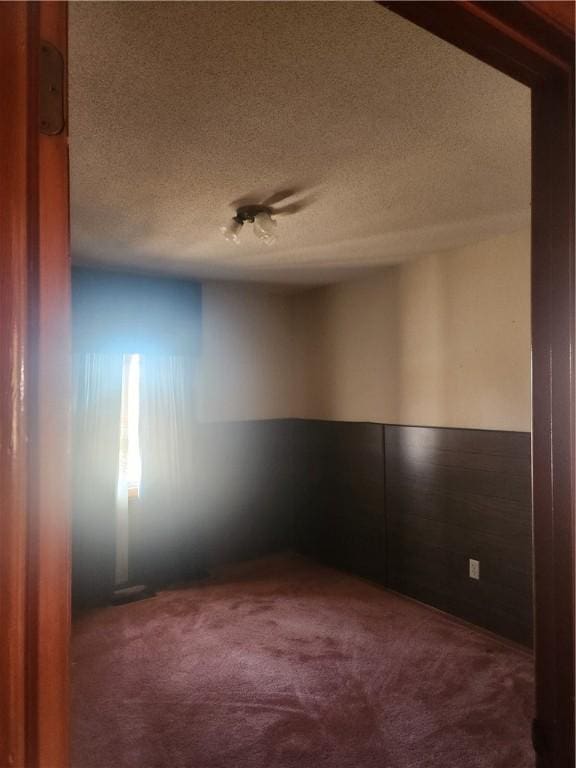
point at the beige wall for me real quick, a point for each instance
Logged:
(443, 340)
(246, 368)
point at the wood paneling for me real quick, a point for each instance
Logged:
(243, 489)
(409, 506)
(455, 494)
(339, 505)
(404, 506)
(264, 486)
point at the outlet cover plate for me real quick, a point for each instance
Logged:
(474, 569)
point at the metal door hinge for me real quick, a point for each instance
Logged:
(51, 87)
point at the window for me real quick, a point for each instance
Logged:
(129, 462)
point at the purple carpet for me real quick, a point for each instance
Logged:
(282, 663)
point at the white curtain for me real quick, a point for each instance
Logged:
(167, 531)
(97, 388)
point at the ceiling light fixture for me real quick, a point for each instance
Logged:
(259, 216)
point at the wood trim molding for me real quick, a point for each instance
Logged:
(559, 13)
(16, 64)
(516, 38)
(510, 36)
(553, 413)
(34, 402)
(50, 402)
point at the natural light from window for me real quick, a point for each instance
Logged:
(130, 469)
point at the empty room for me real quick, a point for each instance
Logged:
(314, 341)
(301, 522)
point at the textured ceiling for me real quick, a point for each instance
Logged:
(394, 142)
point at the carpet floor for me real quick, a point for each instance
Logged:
(283, 663)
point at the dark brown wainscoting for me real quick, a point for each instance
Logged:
(243, 499)
(240, 506)
(408, 507)
(455, 494)
(340, 495)
(403, 506)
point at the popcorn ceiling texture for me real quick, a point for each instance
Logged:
(396, 142)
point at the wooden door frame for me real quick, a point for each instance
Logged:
(34, 401)
(534, 44)
(528, 41)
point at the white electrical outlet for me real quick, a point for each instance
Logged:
(474, 568)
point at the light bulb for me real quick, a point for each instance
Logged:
(264, 227)
(231, 231)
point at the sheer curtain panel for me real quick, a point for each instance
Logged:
(97, 401)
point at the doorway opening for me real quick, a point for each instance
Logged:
(396, 338)
(544, 68)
